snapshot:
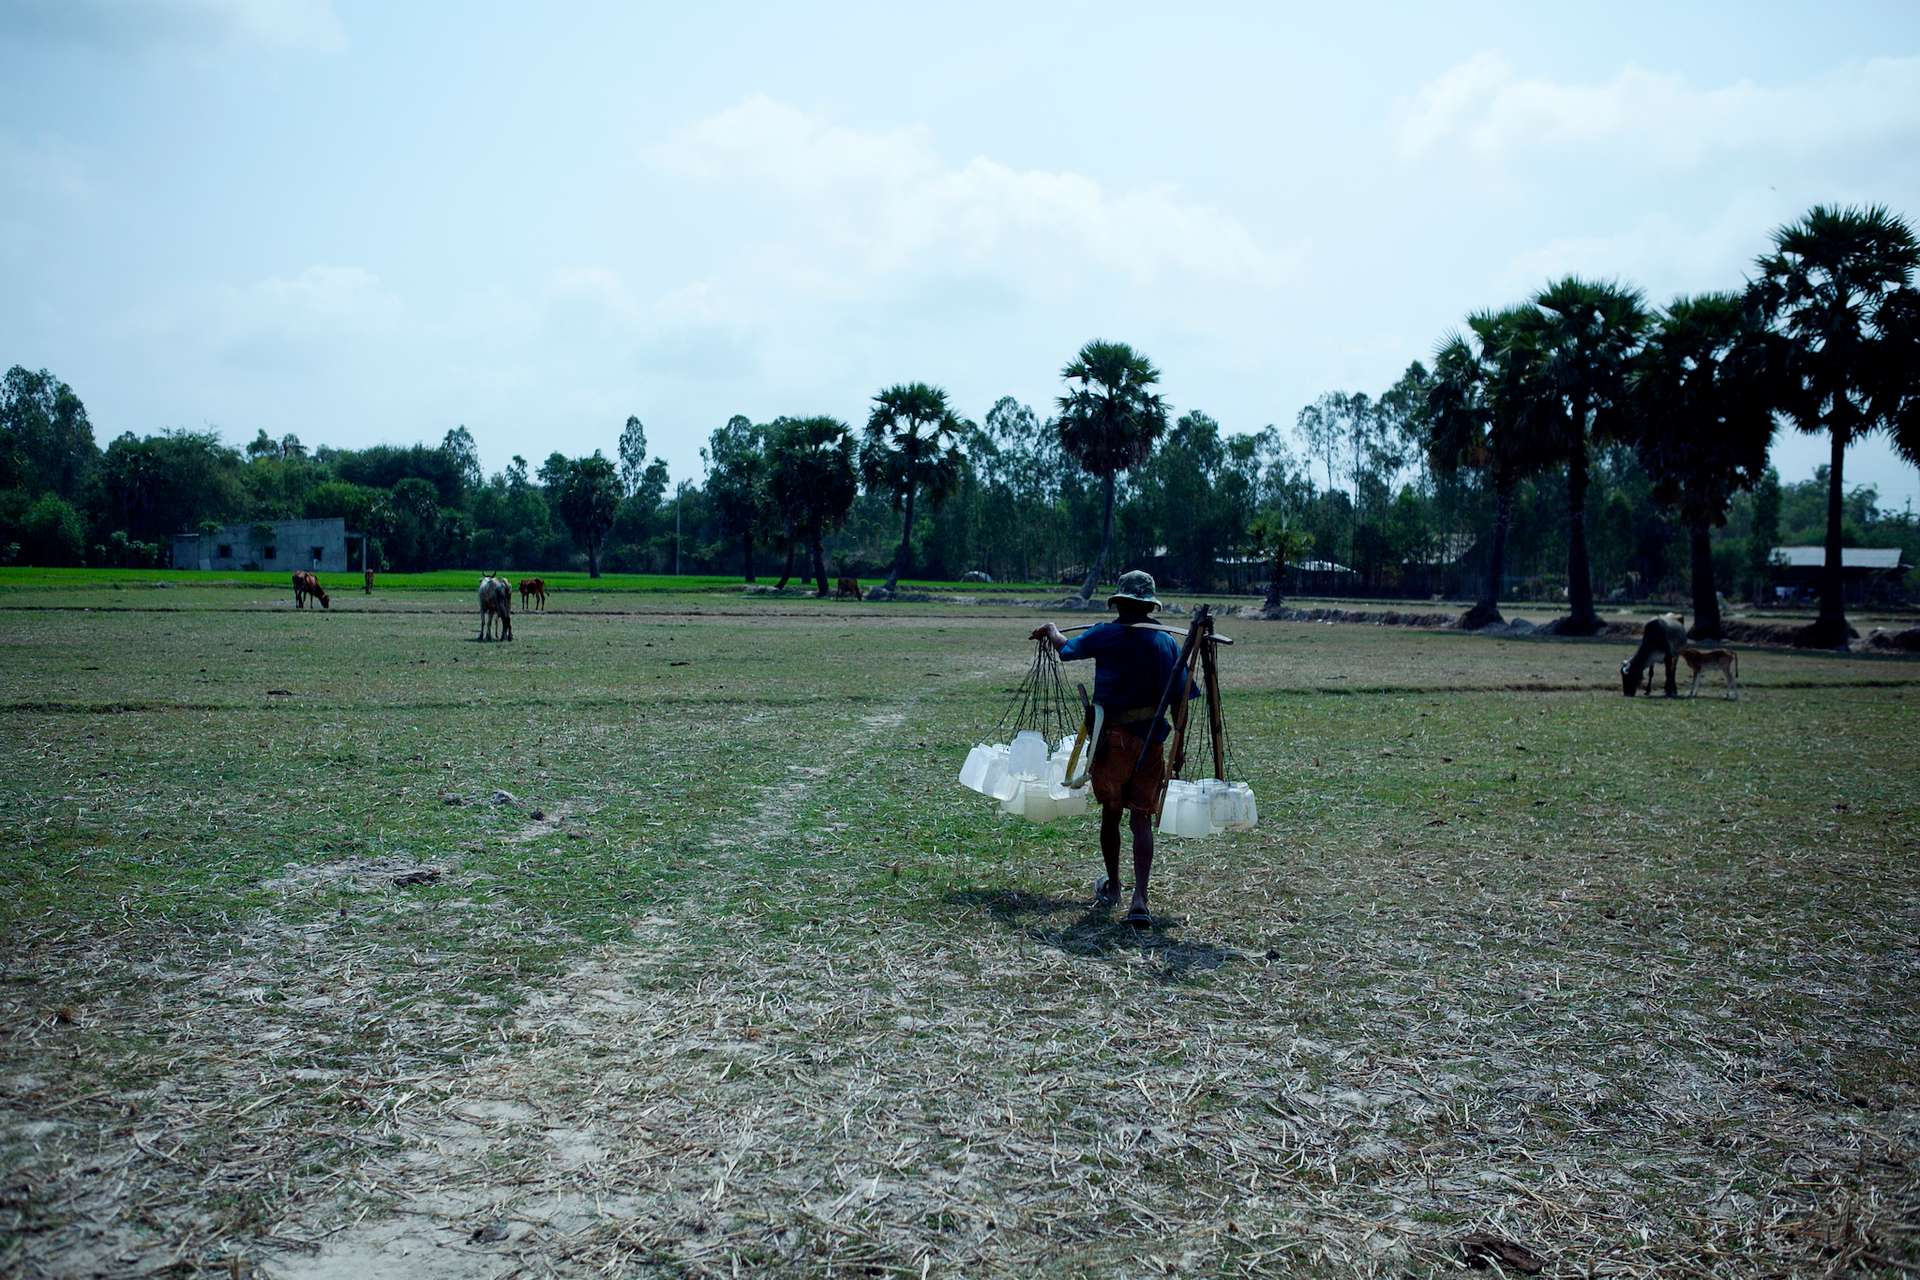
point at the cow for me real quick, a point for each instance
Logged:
(848, 587)
(1725, 661)
(1663, 638)
(496, 607)
(304, 585)
(533, 589)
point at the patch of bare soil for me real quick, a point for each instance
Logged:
(1361, 617)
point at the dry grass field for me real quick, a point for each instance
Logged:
(661, 941)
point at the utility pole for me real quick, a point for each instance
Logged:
(678, 494)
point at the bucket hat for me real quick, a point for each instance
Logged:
(1135, 585)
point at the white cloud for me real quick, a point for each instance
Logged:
(123, 24)
(874, 203)
(1663, 253)
(1485, 107)
(312, 319)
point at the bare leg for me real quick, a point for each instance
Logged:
(1142, 824)
(1110, 845)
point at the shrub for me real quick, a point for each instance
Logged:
(52, 533)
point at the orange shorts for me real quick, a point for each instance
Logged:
(1117, 782)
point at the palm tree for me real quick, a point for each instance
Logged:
(1588, 336)
(912, 448)
(810, 474)
(1483, 400)
(1274, 535)
(1703, 393)
(1108, 424)
(1839, 287)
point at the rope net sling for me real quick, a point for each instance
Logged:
(1040, 702)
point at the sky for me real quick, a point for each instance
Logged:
(365, 222)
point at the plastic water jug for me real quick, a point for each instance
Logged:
(1170, 808)
(1015, 801)
(1040, 803)
(1027, 757)
(998, 782)
(1195, 816)
(1220, 805)
(1245, 813)
(974, 771)
(1067, 802)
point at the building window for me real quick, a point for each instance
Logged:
(319, 554)
(224, 551)
(267, 553)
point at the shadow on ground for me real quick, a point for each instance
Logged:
(1072, 926)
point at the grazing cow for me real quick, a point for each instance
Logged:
(496, 607)
(848, 587)
(304, 585)
(533, 589)
(1663, 637)
(1725, 661)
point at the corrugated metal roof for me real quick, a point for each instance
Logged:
(1850, 557)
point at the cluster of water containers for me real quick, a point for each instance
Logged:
(1030, 781)
(1025, 777)
(1208, 807)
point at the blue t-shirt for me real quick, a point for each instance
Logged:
(1130, 669)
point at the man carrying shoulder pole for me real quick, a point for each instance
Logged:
(1132, 667)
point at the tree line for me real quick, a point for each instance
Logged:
(1578, 444)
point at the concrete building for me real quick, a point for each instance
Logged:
(323, 546)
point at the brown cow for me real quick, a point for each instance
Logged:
(533, 589)
(496, 607)
(304, 585)
(848, 587)
(1725, 661)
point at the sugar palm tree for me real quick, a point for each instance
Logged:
(1483, 407)
(1703, 389)
(1274, 535)
(1839, 287)
(1589, 333)
(912, 450)
(1108, 424)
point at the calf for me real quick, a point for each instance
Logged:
(304, 585)
(848, 587)
(1725, 661)
(533, 589)
(496, 607)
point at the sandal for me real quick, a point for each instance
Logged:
(1139, 918)
(1105, 892)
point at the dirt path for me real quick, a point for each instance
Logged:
(609, 1125)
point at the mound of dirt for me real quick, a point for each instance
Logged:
(1358, 617)
(1884, 641)
(1748, 631)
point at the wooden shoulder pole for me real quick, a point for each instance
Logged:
(1216, 724)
